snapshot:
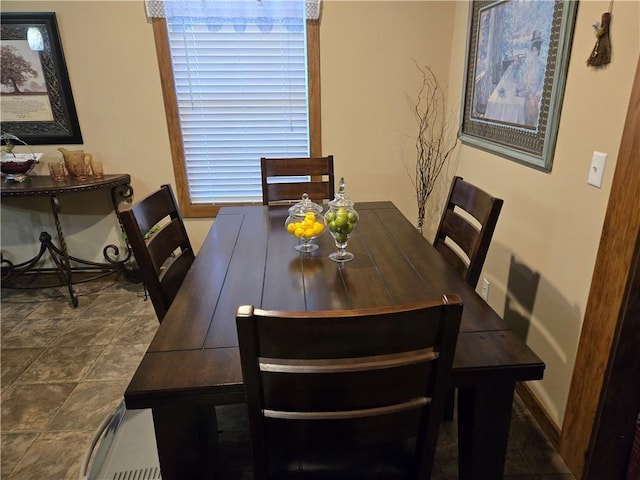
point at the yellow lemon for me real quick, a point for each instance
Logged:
(291, 227)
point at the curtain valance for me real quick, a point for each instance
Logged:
(251, 11)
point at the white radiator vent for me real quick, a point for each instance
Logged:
(152, 473)
(123, 448)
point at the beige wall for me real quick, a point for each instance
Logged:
(369, 84)
(551, 222)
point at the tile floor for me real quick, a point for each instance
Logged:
(65, 369)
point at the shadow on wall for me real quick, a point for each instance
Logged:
(522, 288)
(539, 313)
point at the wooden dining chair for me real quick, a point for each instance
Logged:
(280, 186)
(464, 236)
(354, 394)
(468, 222)
(160, 244)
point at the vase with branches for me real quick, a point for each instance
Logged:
(435, 141)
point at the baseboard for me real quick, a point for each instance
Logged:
(546, 423)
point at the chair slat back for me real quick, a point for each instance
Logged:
(345, 380)
(164, 256)
(277, 189)
(471, 238)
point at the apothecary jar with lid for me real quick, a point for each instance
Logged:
(341, 219)
(305, 222)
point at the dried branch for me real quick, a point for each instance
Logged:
(434, 144)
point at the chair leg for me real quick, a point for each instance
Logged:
(449, 404)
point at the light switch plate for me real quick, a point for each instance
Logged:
(596, 171)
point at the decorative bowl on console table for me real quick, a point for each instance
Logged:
(17, 166)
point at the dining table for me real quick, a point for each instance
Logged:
(248, 258)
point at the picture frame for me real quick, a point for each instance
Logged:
(516, 66)
(36, 99)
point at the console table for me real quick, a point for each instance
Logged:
(120, 188)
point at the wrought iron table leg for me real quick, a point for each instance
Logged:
(62, 259)
(119, 193)
(11, 270)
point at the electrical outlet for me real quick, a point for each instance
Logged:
(485, 289)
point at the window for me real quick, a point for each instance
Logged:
(233, 92)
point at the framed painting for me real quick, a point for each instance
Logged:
(35, 93)
(516, 66)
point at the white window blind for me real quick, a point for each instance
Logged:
(241, 88)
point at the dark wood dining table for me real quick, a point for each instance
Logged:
(193, 364)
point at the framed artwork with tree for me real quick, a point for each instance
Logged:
(35, 93)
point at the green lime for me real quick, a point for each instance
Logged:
(330, 216)
(352, 217)
(341, 219)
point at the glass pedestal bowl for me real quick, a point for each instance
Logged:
(305, 222)
(15, 168)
